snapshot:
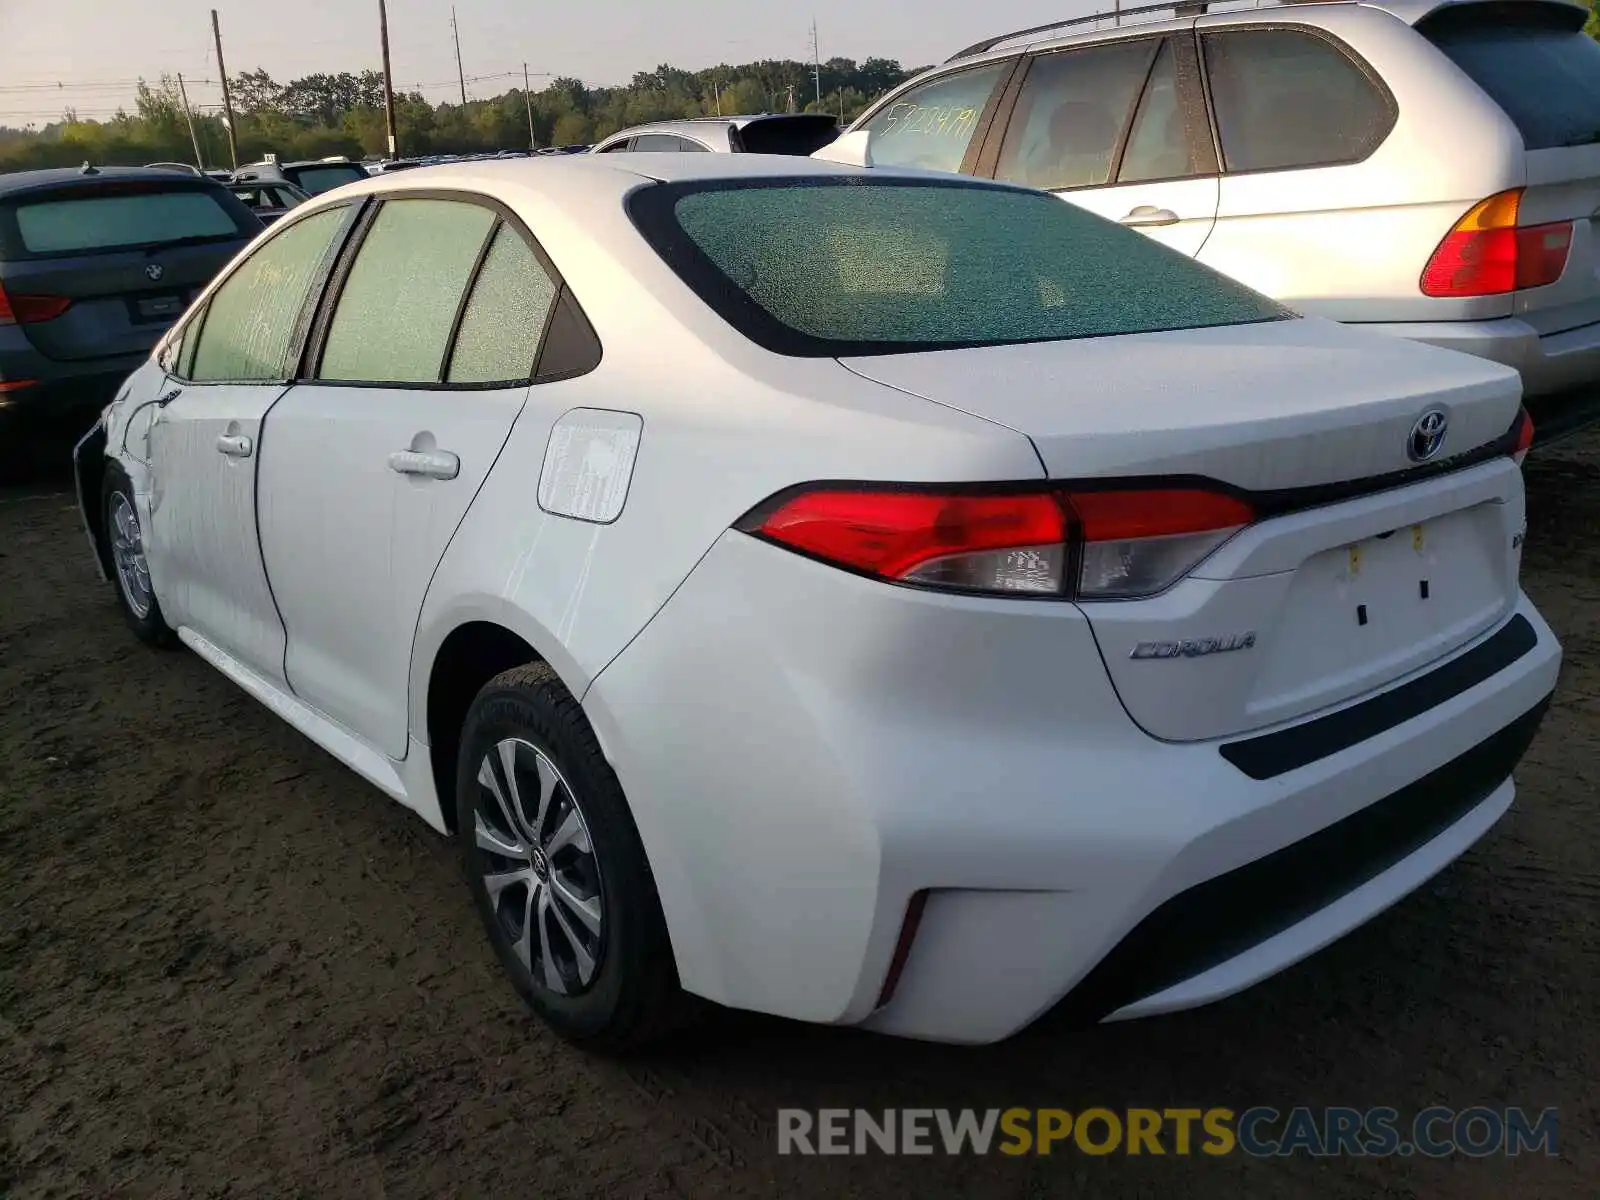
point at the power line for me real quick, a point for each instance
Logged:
(460, 74)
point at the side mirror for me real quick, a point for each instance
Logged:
(851, 149)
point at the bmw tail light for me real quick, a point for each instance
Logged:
(1487, 253)
(29, 310)
(1087, 544)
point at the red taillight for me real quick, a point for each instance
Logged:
(1095, 544)
(1524, 436)
(1542, 253)
(28, 310)
(1488, 254)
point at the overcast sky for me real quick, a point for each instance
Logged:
(96, 49)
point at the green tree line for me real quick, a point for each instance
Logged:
(321, 115)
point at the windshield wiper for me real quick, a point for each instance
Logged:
(195, 239)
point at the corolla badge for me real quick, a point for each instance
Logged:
(1194, 647)
(155, 271)
(1427, 435)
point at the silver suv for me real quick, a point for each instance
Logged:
(1431, 170)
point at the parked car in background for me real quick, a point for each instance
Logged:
(269, 201)
(1427, 168)
(575, 148)
(312, 177)
(388, 165)
(95, 265)
(783, 133)
(871, 597)
(186, 168)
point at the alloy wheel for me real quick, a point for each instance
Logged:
(539, 868)
(127, 552)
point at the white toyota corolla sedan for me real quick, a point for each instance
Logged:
(881, 599)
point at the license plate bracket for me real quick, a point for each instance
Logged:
(161, 306)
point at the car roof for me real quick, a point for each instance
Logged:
(562, 176)
(1148, 19)
(24, 181)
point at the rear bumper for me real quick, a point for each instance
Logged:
(74, 398)
(1548, 364)
(806, 751)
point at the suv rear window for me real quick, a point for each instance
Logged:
(1534, 61)
(833, 266)
(316, 180)
(800, 135)
(85, 221)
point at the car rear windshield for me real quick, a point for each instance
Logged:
(316, 180)
(861, 265)
(1533, 60)
(86, 221)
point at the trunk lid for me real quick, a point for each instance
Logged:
(130, 257)
(1357, 572)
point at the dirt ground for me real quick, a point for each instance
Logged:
(228, 967)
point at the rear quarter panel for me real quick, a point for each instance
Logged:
(725, 425)
(1350, 242)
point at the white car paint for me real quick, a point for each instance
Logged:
(805, 749)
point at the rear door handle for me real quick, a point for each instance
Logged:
(430, 464)
(1147, 214)
(235, 445)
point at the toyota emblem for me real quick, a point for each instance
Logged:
(1427, 435)
(155, 271)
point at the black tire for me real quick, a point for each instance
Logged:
(633, 998)
(149, 626)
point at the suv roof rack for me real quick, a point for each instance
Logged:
(1170, 9)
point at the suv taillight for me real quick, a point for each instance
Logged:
(1524, 436)
(28, 310)
(1488, 254)
(1084, 544)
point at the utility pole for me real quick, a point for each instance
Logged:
(194, 140)
(527, 98)
(791, 98)
(816, 60)
(388, 79)
(460, 74)
(227, 101)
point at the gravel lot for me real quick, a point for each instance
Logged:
(229, 967)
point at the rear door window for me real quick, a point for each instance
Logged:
(90, 221)
(505, 315)
(398, 307)
(1533, 62)
(1071, 113)
(1158, 143)
(931, 126)
(1286, 99)
(251, 319)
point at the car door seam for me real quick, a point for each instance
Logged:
(444, 551)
